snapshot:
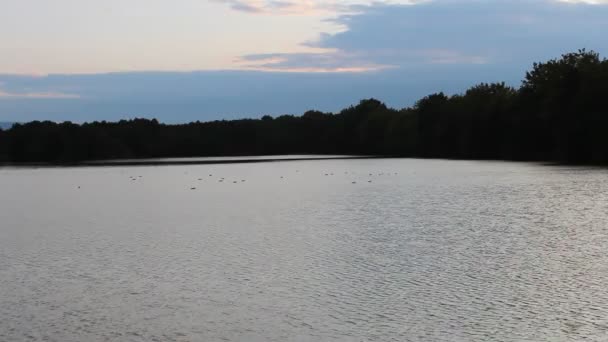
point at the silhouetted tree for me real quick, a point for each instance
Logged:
(559, 113)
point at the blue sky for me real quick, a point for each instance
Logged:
(178, 61)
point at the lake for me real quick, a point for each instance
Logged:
(332, 250)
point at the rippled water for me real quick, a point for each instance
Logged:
(428, 251)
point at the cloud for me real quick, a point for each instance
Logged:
(304, 7)
(283, 7)
(308, 7)
(37, 95)
(214, 95)
(456, 32)
(326, 62)
(37, 87)
(395, 52)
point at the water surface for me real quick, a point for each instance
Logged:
(305, 251)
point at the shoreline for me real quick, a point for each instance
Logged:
(219, 160)
(169, 162)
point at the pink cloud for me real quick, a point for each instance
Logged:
(282, 7)
(324, 62)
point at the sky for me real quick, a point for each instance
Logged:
(189, 60)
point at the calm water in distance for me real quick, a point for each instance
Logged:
(428, 251)
(218, 159)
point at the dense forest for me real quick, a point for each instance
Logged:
(559, 113)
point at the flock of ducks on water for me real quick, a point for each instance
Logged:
(222, 179)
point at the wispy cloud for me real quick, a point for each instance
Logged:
(317, 62)
(304, 7)
(322, 7)
(283, 7)
(216, 95)
(36, 95)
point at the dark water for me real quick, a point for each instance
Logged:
(428, 251)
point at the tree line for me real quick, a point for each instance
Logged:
(559, 113)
